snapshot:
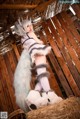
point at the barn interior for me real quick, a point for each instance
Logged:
(56, 23)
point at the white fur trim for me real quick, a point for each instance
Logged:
(40, 52)
(52, 96)
(35, 98)
(22, 78)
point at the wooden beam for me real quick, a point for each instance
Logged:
(41, 8)
(17, 6)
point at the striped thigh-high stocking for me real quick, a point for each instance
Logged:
(43, 82)
(42, 74)
(42, 78)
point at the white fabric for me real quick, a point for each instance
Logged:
(22, 79)
(38, 87)
(28, 43)
(35, 98)
(40, 52)
(31, 41)
(44, 80)
(45, 84)
(52, 97)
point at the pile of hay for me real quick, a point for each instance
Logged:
(66, 109)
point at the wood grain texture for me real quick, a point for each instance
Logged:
(63, 61)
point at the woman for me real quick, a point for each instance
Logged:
(42, 94)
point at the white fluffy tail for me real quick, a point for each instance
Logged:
(22, 78)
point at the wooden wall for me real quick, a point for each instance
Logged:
(61, 33)
(64, 59)
(8, 64)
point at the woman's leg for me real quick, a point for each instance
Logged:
(34, 99)
(38, 87)
(51, 96)
(40, 62)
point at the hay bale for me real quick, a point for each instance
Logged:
(66, 109)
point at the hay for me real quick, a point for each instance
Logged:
(66, 109)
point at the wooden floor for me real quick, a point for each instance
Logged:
(62, 32)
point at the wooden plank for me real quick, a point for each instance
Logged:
(70, 39)
(61, 77)
(61, 44)
(3, 104)
(19, 47)
(69, 34)
(16, 51)
(71, 26)
(57, 67)
(12, 61)
(77, 25)
(9, 89)
(5, 88)
(53, 81)
(76, 8)
(41, 8)
(62, 62)
(10, 74)
(14, 56)
(17, 6)
(8, 67)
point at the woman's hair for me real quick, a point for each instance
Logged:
(20, 26)
(26, 22)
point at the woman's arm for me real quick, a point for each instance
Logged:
(33, 35)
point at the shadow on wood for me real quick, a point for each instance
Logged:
(66, 109)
